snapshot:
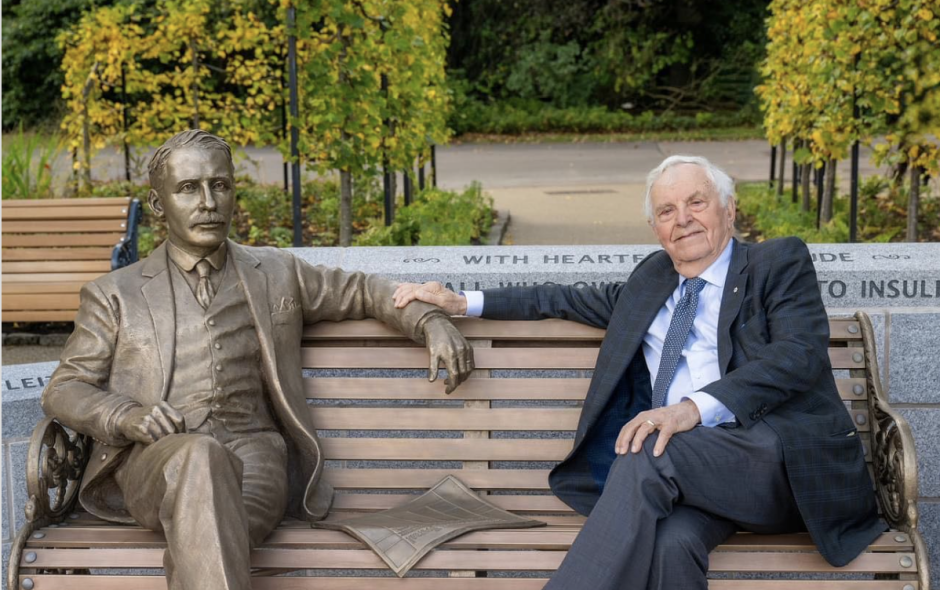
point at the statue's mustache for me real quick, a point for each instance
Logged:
(208, 218)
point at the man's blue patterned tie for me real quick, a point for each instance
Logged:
(678, 333)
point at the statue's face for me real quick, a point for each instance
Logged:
(197, 199)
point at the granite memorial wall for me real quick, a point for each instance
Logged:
(897, 284)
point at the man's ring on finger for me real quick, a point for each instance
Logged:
(651, 423)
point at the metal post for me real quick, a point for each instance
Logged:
(853, 195)
(421, 175)
(386, 174)
(820, 179)
(127, 152)
(773, 164)
(796, 169)
(295, 115)
(783, 168)
(284, 133)
(434, 165)
(409, 187)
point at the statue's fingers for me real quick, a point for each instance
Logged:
(162, 422)
(176, 418)
(451, 364)
(435, 362)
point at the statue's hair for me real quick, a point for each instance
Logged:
(718, 178)
(184, 139)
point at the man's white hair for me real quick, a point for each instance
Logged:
(718, 178)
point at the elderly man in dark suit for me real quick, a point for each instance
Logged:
(186, 370)
(712, 407)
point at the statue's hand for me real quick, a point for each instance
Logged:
(433, 293)
(446, 343)
(148, 425)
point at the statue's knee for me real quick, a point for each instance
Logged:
(208, 454)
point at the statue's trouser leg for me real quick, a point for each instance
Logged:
(190, 487)
(735, 475)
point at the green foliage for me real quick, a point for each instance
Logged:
(28, 161)
(826, 57)
(31, 75)
(435, 218)
(516, 117)
(660, 55)
(882, 215)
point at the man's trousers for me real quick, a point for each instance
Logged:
(214, 496)
(659, 517)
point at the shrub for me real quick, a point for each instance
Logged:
(435, 218)
(882, 215)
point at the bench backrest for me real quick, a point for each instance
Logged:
(385, 428)
(51, 247)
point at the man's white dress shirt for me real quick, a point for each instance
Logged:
(698, 365)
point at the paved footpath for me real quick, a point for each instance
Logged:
(557, 193)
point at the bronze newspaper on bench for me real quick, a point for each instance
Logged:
(401, 536)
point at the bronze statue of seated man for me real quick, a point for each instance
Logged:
(185, 368)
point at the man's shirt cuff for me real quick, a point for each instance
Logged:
(474, 303)
(712, 411)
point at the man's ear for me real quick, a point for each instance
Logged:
(156, 205)
(732, 209)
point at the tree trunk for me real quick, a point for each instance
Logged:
(807, 193)
(782, 167)
(913, 204)
(195, 89)
(829, 192)
(345, 208)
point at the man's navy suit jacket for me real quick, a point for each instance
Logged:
(773, 337)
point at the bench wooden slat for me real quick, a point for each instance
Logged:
(357, 418)
(422, 449)
(469, 327)
(40, 302)
(417, 358)
(405, 479)
(493, 358)
(64, 227)
(16, 254)
(393, 388)
(510, 419)
(548, 538)
(508, 330)
(39, 316)
(460, 560)
(55, 240)
(101, 266)
(56, 582)
(62, 277)
(471, 389)
(53, 203)
(40, 288)
(74, 212)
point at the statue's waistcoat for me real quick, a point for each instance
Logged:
(217, 364)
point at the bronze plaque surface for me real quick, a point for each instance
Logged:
(401, 536)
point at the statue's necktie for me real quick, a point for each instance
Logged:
(678, 333)
(204, 289)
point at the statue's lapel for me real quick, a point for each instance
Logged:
(255, 283)
(158, 292)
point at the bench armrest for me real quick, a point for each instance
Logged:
(893, 456)
(55, 464)
(125, 253)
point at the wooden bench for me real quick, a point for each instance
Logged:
(386, 429)
(51, 247)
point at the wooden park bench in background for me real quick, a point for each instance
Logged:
(386, 429)
(51, 247)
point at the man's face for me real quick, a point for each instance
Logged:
(197, 199)
(688, 218)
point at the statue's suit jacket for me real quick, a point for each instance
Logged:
(773, 336)
(122, 350)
